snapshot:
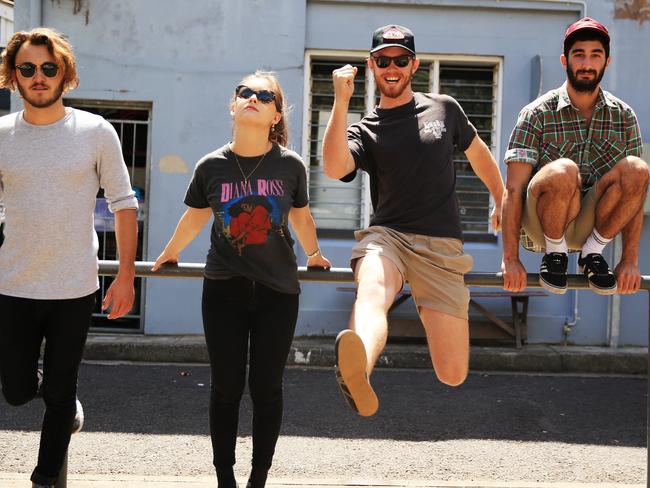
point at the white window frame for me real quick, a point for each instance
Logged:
(6, 22)
(434, 60)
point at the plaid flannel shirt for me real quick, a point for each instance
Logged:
(550, 128)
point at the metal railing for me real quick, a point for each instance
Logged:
(338, 275)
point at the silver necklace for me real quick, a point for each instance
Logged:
(254, 169)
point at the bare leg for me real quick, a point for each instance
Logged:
(557, 189)
(448, 339)
(621, 193)
(378, 281)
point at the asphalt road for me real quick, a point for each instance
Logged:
(152, 420)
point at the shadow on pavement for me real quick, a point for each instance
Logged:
(413, 406)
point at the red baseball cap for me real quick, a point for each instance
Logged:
(586, 23)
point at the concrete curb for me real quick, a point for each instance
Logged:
(13, 480)
(320, 353)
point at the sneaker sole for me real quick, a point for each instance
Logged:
(599, 291)
(78, 423)
(351, 374)
(551, 288)
(603, 291)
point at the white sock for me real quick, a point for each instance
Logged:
(595, 243)
(555, 245)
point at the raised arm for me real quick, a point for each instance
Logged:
(189, 226)
(487, 169)
(337, 158)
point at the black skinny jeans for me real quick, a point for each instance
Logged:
(24, 323)
(240, 315)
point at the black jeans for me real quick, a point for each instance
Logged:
(240, 315)
(24, 323)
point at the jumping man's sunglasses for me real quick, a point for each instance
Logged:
(29, 69)
(400, 61)
(264, 96)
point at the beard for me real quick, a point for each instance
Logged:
(392, 91)
(584, 86)
(40, 103)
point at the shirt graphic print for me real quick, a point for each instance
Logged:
(247, 216)
(250, 235)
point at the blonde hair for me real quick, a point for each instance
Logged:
(56, 44)
(279, 133)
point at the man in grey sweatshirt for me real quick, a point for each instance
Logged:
(53, 160)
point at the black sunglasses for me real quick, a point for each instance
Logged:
(29, 69)
(264, 96)
(400, 61)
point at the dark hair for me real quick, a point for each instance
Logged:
(279, 133)
(586, 35)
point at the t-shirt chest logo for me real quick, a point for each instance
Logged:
(436, 128)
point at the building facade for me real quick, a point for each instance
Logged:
(163, 72)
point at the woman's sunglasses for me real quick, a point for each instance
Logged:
(29, 69)
(400, 61)
(264, 96)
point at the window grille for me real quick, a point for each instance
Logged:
(132, 126)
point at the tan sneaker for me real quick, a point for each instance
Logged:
(351, 374)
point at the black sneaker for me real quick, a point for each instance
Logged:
(601, 279)
(78, 423)
(553, 271)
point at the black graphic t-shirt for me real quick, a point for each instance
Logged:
(408, 153)
(250, 235)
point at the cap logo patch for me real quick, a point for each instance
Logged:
(392, 34)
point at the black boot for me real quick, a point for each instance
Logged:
(257, 479)
(226, 479)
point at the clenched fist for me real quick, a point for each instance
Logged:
(343, 79)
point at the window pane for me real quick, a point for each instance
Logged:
(334, 204)
(474, 88)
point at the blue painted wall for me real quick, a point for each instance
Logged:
(186, 58)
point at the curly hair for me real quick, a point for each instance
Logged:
(56, 44)
(279, 133)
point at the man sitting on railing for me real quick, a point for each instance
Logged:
(582, 146)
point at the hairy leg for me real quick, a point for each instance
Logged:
(557, 189)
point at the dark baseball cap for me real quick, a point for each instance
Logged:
(586, 23)
(393, 36)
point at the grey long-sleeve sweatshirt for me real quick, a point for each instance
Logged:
(49, 178)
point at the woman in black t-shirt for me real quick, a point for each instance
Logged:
(253, 187)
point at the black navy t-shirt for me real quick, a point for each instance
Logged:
(408, 153)
(250, 235)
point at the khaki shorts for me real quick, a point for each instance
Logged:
(432, 266)
(578, 230)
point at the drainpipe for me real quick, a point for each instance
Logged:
(26, 17)
(614, 301)
(35, 13)
(575, 317)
